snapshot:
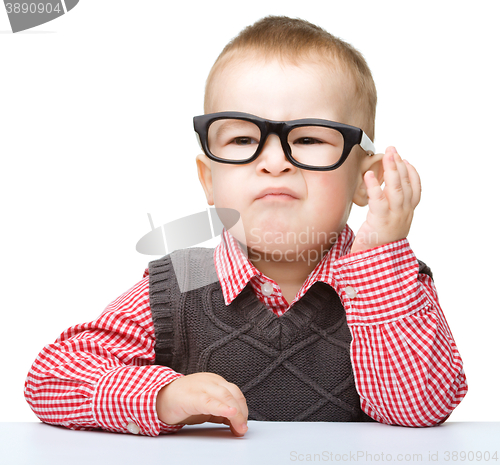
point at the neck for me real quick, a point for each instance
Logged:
(289, 274)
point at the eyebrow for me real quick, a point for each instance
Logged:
(232, 124)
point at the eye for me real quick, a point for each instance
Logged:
(307, 141)
(244, 140)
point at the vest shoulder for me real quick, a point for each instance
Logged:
(424, 269)
(192, 268)
(192, 253)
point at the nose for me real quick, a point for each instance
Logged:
(272, 159)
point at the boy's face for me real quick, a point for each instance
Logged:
(316, 201)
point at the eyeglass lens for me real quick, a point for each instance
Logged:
(235, 139)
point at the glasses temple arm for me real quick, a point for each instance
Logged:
(367, 145)
(199, 140)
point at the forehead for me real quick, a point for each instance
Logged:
(278, 89)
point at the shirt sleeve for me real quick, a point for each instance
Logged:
(101, 374)
(406, 364)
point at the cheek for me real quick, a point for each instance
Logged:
(333, 190)
(220, 186)
(227, 193)
(226, 185)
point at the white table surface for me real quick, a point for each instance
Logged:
(264, 443)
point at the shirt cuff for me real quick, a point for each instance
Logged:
(380, 285)
(125, 400)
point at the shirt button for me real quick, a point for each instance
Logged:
(133, 428)
(267, 289)
(351, 292)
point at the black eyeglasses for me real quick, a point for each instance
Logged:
(311, 144)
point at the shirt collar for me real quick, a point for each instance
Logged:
(235, 270)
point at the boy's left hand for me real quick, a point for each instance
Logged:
(391, 208)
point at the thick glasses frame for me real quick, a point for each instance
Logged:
(351, 134)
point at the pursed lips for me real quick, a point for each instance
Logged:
(277, 193)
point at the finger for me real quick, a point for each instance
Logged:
(237, 431)
(239, 397)
(224, 404)
(198, 419)
(212, 405)
(377, 201)
(238, 422)
(393, 188)
(227, 422)
(415, 183)
(404, 180)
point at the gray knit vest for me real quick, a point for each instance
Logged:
(296, 367)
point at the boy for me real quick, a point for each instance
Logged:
(316, 324)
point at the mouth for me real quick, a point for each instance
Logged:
(279, 193)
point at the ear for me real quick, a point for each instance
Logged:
(373, 163)
(205, 176)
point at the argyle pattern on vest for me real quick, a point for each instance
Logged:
(295, 367)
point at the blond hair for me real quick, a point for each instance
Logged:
(295, 40)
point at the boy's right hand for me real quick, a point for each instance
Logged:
(202, 397)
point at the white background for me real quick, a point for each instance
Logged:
(96, 131)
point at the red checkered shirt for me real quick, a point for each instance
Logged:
(406, 365)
